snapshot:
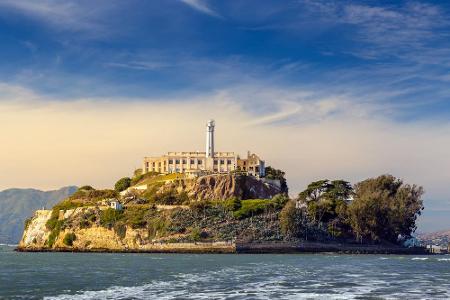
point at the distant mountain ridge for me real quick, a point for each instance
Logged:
(435, 234)
(16, 205)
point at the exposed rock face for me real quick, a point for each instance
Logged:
(36, 233)
(221, 187)
(97, 238)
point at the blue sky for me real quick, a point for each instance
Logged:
(390, 52)
(354, 88)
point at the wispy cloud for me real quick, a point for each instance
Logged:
(201, 6)
(334, 142)
(75, 16)
(138, 65)
(403, 31)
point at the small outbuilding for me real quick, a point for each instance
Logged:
(114, 204)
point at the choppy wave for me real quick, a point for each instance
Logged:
(235, 283)
(444, 259)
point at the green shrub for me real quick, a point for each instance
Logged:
(122, 184)
(87, 218)
(140, 177)
(92, 196)
(200, 206)
(55, 230)
(27, 222)
(66, 205)
(137, 172)
(69, 238)
(109, 217)
(152, 188)
(288, 219)
(195, 234)
(256, 206)
(135, 217)
(280, 200)
(86, 188)
(52, 238)
(232, 204)
(157, 225)
(171, 197)
(120, 230)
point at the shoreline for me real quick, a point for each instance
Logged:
(252, 248)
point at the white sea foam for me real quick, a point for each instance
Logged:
(270, 281)
(207, 286)
(443, 259)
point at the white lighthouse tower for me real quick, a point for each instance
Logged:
(210, 139)
(210, 145)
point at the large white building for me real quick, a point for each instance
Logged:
(199, 163)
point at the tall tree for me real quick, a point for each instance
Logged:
(325, 199)
(272, 173)
(385, 209)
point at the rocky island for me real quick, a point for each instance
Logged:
(221, 213)
(219, 202)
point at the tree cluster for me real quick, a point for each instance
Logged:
(376, 210)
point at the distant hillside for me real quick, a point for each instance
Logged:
(16, 205)
(441, 238)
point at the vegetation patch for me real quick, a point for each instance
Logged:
(109, 217)
(56, 229)
(157, 226)
(135, 216)
(171, 197)
(87, 197)
(28, 222)
(253, 207)
(120, 230)
(122, 184)
(232, 204)
(69, 238)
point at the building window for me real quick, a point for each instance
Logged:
(146, 164)
(153, 164)
(215, 162)
(192, 162)
(184, 161)
(222, 161)
(244, 162)
(229, 161)
(177, 161)
(199, 161)
(170, 162)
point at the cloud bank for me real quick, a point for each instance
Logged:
(48, 143)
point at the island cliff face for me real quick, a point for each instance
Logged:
(222, 187)
(100, 239)
(216, 211)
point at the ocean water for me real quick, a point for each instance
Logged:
(190, 276)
